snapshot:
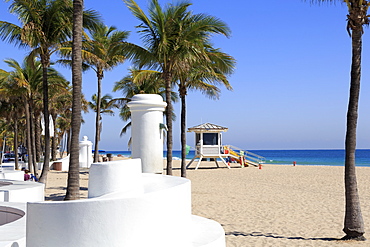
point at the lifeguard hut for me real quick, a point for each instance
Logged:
(208, 142)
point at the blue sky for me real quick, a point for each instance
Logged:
(290, 86)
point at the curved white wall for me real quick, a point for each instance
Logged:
(157, 218)
(13, 198)
(134, 210)
(9, 214)
(123, 177)
(12, 175)
(13, 233)
(20, 191)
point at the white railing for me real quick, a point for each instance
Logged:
(247, 154)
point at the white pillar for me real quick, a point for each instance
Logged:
(85, 153)
(146, 131)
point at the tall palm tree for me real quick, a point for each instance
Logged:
(171, 35)
(60, 93)
(57, 85)
(204, 77)
(11, 104)
(11, 110)
(73, 182)
(45, 25)
(357, 18)
(25, 81)
(101, 53)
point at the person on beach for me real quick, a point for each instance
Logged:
(34, 177)
(27, 176)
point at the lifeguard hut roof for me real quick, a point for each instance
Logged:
(207, 127)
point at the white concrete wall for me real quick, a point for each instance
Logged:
(13, 198)
(85, 156)
(65, 163)
(10, 214)
(12, 175)
(123, 177)
(20, 191)
(158, 218)
(147, 137)
(13, 234)
(207, 233)
(138, 210)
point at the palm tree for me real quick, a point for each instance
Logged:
(60, 93)
(25, 81)
(171, 35)
(102, 53)
(11, 110)
(45, 25)
(107, 104)
(202, 76)
(73, 182)
(357, 17)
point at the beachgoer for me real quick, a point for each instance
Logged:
(27, 176)
(34, 178)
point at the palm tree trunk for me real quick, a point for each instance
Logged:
(97, 119)
(45, 87)
(38, 147)
(73, 185)
(16, 143)
(54, 139)
(353, 222)
(183, 132)
(29, 145)
(54, 148)
(167, 79)
(69, 135)
(33, 141)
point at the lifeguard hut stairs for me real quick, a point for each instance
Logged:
(229, 155)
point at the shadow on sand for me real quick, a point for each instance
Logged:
(60, 195)
(274, 235)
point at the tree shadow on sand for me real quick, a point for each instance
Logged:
(274, 235)
(60, 195)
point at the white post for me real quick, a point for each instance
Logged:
(146, 131)
(85, 153)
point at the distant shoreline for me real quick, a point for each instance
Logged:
(318, 157)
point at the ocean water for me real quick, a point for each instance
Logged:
(325, 157)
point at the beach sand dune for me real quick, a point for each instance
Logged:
(272, 206)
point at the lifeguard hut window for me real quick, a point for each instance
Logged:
(208, 138)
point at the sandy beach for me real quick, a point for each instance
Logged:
(272, 206)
